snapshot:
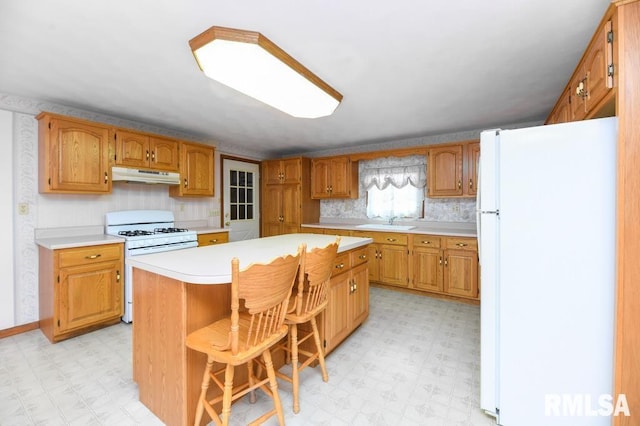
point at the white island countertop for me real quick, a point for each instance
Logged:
(212, 264)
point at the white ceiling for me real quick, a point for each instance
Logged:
(406, 68)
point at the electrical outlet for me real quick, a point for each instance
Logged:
(455, 208)
(23, 209)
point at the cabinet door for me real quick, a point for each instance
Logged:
(461, 273)
(393, 261)
(132, 149)
(271, 173)
(340, 177)
(196, 170)
(445, 171)
(292, 170)
(79, 156)
(596, 68)
(291, 209)
(374, 262)
(320, 170)
(89, 294)
(164, 154)
(562, 111)
(272, 210)
(337, 324)
(359, 295)
(471, 168)
(427, 269)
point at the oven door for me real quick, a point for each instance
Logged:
(128, 275)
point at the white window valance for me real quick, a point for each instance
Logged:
(395, 171)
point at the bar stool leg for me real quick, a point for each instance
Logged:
(206, 378)
(228, 393)
(295, 374)
(273, 385)
(316, 337)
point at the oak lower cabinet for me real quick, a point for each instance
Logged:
(211, 238)
(388, 257)
(348, 305)
(446, 265)
(80, 289)
(73, 155)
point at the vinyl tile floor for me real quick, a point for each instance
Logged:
(415, 361)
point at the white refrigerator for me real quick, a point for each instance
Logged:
(546, 231)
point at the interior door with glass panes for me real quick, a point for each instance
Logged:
(241, 199)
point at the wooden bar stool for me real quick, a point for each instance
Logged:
(264, 290)
(306, 304)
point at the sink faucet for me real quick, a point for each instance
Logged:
(391, 219)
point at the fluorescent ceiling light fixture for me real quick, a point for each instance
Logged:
(250, 63)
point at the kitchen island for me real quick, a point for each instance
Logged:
(178, 292)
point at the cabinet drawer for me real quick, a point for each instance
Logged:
(383, 237)
(426, 241)
(213, 238)
(359, 256)
(462, 243)
(89, 254)
(341, 264)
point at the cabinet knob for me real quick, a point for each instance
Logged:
(93, 256)
(213, 241)
(425, 242)
(459, 184)
(340, 265)
(147, 154)
(446, 261)
(391, 240)
(118, 276)
(106, 177)
(462, 244)
(185, 182)
(470, 184)
(153, 156)
(362, 256)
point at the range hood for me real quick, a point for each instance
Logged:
(144, 176)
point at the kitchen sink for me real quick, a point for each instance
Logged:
(385, 227)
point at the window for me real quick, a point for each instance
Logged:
(241, 195)
(395, 186)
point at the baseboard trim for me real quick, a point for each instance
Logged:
(19, 329)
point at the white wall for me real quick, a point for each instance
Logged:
(7, 311)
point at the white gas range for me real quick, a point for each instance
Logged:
(145, 232)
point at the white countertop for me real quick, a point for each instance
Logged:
(56, 243)
(448, 229)
(212, 264)
(207, 229)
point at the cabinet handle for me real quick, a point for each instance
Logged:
(118, 276)
(213, 241)
(446, 261)
(93, 256)
(470, 184)
(185, 182)
(459, 184)
(330, 188)
(391, 240)
(153, 156)
(355, 286)
(147, 154)
(441, 260)
(461, 244)
(340, 265)
(106, 177)
(425, 242)
(362, 256)
(327, 189)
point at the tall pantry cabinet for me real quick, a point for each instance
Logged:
(286, 196)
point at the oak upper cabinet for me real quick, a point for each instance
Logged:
(282, 171)
(589, 93)
(286, 197)
(452, 170)
(461, 267)
(80, 289)
(471, 167)
(211, 238)
(73, 155)
(196, 171)
(562, 112)
(334, 177)
(141, 150)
